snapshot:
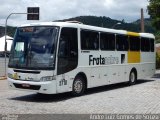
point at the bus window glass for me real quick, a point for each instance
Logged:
(145, 44)
(19, 48)
(33, 47)
(121, 42)
(68, 50)
(107, 41)
(89, 40)
(134, 43)
(152, 45)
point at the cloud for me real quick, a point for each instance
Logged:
(60, 9)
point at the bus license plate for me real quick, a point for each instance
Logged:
(26, 85)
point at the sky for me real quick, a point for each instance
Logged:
(51, 10)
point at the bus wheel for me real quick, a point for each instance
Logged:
(78, 87)
(132, 77)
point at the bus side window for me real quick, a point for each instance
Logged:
(145, 44)
(134, 43)
(89, 40)
(107, 41)
(121, 42)
(152, 45)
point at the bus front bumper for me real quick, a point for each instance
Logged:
(48, 87)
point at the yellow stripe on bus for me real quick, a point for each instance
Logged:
(133, 34)
(134, 57)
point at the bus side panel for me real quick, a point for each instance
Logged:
(130, 66)
(133, 57)
(148, 63)
(65, 81)
(147, 57)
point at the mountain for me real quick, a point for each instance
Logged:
(101, 21)
(1, 31)
(10, 31)
(147, 23)
(107, 22)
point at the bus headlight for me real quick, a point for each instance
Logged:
(47, 78)
(10, 75)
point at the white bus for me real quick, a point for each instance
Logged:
(57, 57)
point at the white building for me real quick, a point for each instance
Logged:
(2, 49)
(2, 43)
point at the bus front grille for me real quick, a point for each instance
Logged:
(24, 86)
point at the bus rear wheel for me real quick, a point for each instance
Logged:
(132, 78)
(79, 86)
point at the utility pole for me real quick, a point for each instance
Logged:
(32, 14)
(142, 21)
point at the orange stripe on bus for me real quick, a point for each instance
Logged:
(133, 34)
(133, 57)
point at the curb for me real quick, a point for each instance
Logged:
(3, 78)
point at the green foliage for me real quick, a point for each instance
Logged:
(157, 35)
(157, 61)
(154, 12)
(10, 31)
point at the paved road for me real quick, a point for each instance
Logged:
(144, 97)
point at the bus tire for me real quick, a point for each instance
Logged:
(132, 77)
(78, 86)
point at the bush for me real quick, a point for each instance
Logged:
(157, 61)
(157, 35)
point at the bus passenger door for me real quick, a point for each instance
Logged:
(67, 58)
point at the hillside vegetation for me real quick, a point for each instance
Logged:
(102, 21)
(109, 23)
(10, 31)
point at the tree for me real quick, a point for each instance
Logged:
(154, 12)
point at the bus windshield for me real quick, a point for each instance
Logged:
(34, 48)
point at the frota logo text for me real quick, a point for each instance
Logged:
(103, 60)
